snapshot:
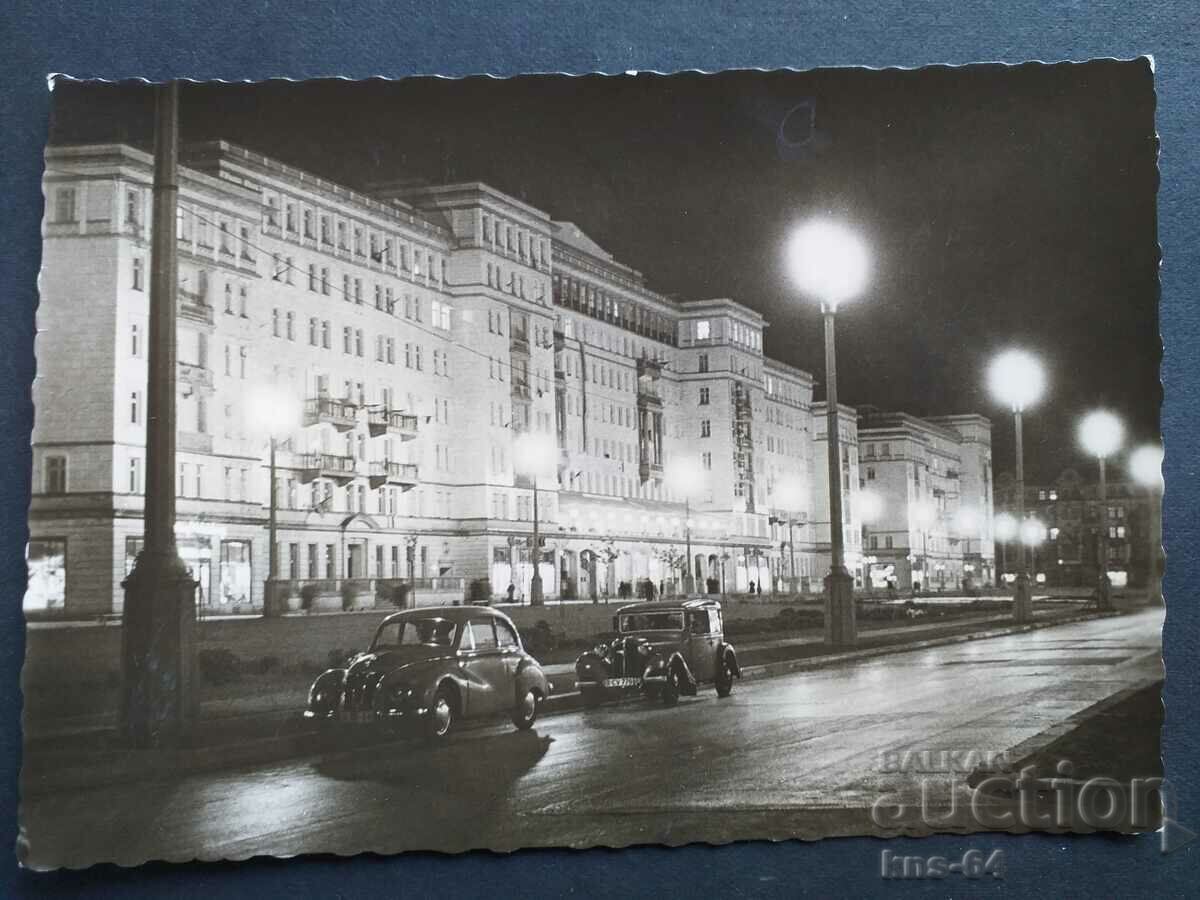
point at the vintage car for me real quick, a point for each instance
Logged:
(430, 668)
(661, 649)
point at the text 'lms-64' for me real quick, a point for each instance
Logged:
(661, 649)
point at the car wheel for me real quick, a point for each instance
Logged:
(591, 697)
(526, 710)
(724, 679)
(670, 688)
(442, 713)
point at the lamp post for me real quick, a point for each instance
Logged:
(924, 514)
(1016, 380)
(277, 415)
(1004, 527)
(1100, 434)
(685, 477)
(829, 264)
(1145, 465)
(158, 697)
(1032, 534)
(534, 454)
(790, 497)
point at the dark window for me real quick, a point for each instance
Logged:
(56, 475)
(699, 621)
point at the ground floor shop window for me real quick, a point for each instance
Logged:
(236, 578)
(47, 588)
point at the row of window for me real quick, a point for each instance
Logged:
(587, 298)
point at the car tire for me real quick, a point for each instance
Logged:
(591, 697)
(724, 681)
(670, 689)
(525, 712)
(442, 715)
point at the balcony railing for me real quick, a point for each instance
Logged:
(647, 367)
(390, 421)
(341, 414)
(520, 390)
(518, 342)
(193, 307)
(649, 469)
(195, 375)
(647, 393)
(403, 475)
(560, 340)
(327, 465)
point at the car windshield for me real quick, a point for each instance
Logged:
(428, 631)
(670, 620)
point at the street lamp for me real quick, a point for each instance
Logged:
(534, 455)
(1004, 527)
(829, 264)
(1033, 534)
(685, 476)
(789, 496)
(275, 414)
(1101, 434)
(924, 514)
(1145, 465)
(1016, 379)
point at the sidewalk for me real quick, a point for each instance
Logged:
(81, 753)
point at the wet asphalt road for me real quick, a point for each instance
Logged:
(804, 756)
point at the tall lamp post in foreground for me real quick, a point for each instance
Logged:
(1015, 378)
(829, 264)
(1100, 434)
(534, 456)
(685, 476)
(158, 697)
(277, 415)
(1004, 528)
(1145, 465)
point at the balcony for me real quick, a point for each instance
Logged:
(390, 421)
(649, 368)
(327, 465)
(518, 342)
(649, 469)
(520, 390)
(195, 375)
(403, 475)
(341, 414)
(560, 340)
(560, 378)
(647, 394)
(193, 308)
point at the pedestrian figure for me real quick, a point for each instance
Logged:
(752, 587)
(512, 589)
(760, 589)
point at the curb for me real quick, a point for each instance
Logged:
(139, 765)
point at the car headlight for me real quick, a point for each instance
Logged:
(600, 649)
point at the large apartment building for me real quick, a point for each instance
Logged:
(930, 480)
(414, 333)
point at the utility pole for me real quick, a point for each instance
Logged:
(158, 685)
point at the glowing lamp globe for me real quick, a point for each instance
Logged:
(685, 475)
(1101, 433)
(828, 262)
(869, 506)
(1033, 532)
(535, 455)
(273, 410)
(789, 495)
(1004, 526)
(1145, 465)
(924, 514)
(1016, 379)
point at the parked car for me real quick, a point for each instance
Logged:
(430, 668)
(661, 649)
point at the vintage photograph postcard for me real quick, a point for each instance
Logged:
(594, 461)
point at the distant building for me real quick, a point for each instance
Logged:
(927, 486)
(1074, 517)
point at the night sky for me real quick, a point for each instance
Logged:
(1003, 206)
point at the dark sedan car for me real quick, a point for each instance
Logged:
(662, 649)
(432, 667)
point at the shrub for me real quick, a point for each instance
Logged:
(479, 592)
(218, 665)
(540, 639)
(308, 594)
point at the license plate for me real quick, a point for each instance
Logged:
(621, 682)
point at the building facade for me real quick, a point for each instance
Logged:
(412, 334)
(1074, 521)
(930, 512)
